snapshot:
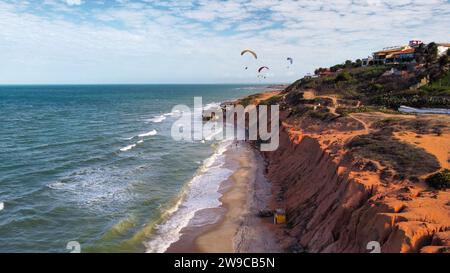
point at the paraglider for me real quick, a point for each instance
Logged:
(262, 68)
(250, 52)
(290, 60)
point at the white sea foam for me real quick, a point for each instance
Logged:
(173, 113)
(131, 146)
(151, 133)
(157, 119)
(56, 186)
(2, 206)
(202, 192)
(211, 106)
(127, 148)
(95, 188)
(214, 134)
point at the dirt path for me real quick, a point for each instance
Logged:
(311, 95)
(365, 124)
(332, 109)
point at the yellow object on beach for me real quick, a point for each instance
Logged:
(279, 217)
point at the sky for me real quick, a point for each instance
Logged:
(199, 41)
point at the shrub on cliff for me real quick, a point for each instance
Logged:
(310, 84)
(248, 100)
(370, 73)
(274, 100)
(294, 97)
(402, 157)
(300, 110)
(321, 114)
(343, 77)
(394, 101)
(439, 181)
(336, 67)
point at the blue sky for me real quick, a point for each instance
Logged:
(199, 41)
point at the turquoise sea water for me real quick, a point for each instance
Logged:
(97, 165)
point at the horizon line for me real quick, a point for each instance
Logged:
(73, 84)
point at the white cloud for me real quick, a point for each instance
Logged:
(73, 2)
(200, 41)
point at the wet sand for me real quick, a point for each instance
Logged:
(234, 227)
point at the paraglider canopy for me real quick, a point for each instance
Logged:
(261, 68)
(290, 60)
(250, 52)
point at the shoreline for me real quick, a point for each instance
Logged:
(234, 227)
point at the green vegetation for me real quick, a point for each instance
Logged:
(310, 84)
(294, 97)
(440, 180)
(381, 88)
(350, 83)
(343, 77)
(393, 100)
(300, 110)
(405, 84)
(419, 126)
(248, 100)
(272, 100)
(344, 111)
(440, 86)
(370, 72)
(322, 114)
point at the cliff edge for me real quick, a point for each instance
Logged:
(347, 178)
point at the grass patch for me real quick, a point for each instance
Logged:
(321, 114)
(274, 100)
(418, 126)
(248, 100)
(300, 110)
(294, 97)
(343, 77)
(344, 111)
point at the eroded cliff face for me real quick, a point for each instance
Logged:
(338, 203)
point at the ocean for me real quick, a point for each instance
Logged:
(97, 165)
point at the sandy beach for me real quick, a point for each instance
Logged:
(234, 227)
